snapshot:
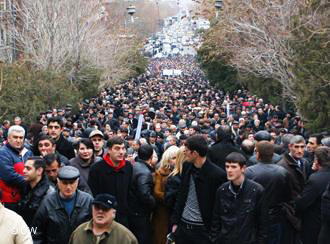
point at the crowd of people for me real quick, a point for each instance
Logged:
(158, 160)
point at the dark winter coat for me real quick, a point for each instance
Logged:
(209, 178)
(240, 217)
(220, 150)
(32, 198)
(309, 205)
(64, 147)
(104, 179)
(52, 222)
(141, 199)
(297, 177)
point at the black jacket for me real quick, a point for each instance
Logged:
(309, 205)
(52, 222)
(253, 159)
(172, 187)
(298, 177)
(65, 147)
(275, 180)
(220, 150)
(104, 179)
(207, 181)
(141, 199)
(32, 198)
(240, 217)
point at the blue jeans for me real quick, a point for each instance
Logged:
(275, 234)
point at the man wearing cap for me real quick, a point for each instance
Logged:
(62, 211)
(263, 135)
(102, 228)
(97, 138)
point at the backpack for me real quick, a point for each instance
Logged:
(325, 204)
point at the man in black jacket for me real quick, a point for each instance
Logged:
(141, 200)
(63, 146)
(201, 178)
(62, 211)
(113, 175)
(224, 146)
(275, 180)
(37, 189)
(309, 203)
(239, 214)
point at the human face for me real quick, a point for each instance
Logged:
(98, 143)
(235, 172)
(46, 147)
(297, 150)
(67, 187)
(30, 173)
(84, 152)
(103, 216)
(311, 144)
(117, 152)
(54, 130)
(17, 121)
(16, 140)
(189, 155)
(52, 171)
(172, 160)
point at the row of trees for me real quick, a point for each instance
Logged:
(67, 50)
(278, 49)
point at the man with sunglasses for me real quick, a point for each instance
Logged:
(102, 228)
(62, 211)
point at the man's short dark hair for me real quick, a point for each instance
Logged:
(322, 154)
(265, 150)
(116, 140)
(236, 157)
(38, 162)
(224, 133)
(197, 143)
(50, 158)
(145, 152)
(318, 137)
(57, 119)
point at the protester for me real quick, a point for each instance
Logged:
(12, 157)
(308, 204)
(233, 220)
(62, 211)
(37, 189)
(13, 229)
(160, 216)
(102, 227)
(83, 161)
(113, 175)
(194, 206)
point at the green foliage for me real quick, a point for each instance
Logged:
(217, 69)
(25, 92)
(312, 68)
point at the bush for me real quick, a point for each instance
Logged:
(25, 92)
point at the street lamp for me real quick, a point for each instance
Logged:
(131, 11)
(218, 5)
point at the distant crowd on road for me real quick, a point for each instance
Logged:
(158, 160)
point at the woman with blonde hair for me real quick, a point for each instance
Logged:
(160, 217)
(173, 183)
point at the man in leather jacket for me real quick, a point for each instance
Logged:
(275, 180)
(62, 211)
(239, 214)
(37, 189)
(141, 200)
